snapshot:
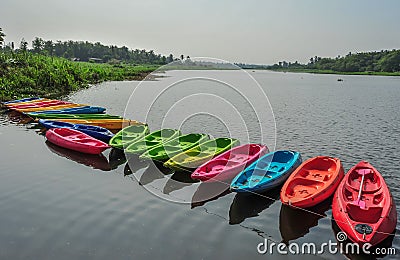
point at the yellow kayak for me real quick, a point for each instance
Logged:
(110, 124)
(49, 108)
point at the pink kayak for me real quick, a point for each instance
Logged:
(227, 165)
(40, 104)
(75, 140)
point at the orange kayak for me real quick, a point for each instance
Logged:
(312, 182)
(110, 124)
(49, 108)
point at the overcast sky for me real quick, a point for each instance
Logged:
(249, 31)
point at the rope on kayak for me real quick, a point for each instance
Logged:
(270, 198)
(303, 209)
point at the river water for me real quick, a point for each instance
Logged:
(57, 204)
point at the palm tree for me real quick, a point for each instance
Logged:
(2, 35)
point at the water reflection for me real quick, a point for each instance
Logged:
(251, 205)
(116, 158)
(207, 192)
(155, 171)
(295, 223)
(96, 161)
(135, 165)
(178, 180)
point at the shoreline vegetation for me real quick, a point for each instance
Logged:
(380, 63)
(25, 74)
(316, 71)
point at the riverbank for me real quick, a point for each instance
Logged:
(24, 74)
(316, 71)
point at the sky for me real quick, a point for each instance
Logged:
(251, 31)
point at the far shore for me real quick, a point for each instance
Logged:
(315, 71)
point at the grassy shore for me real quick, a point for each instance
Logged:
(316, 71)
(26, 74)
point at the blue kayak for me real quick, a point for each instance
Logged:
(97, 132)
(266, 173)
(76, 110)
(22, 100)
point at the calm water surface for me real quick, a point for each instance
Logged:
(56, 204)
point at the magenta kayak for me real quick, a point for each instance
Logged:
(227, 165)
(75, 140)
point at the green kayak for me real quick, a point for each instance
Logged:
(128, 135)
(200, 154)
(171, 148)
(152, 140)
(74, 116)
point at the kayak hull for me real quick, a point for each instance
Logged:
(110, 124)
(46, 103)
(227, 165)
(313, 182)
(196, 156)
(97, 132)
(369, 216)
(21, 100)
(266, 173)
(75, 140)
(78, 110)
(53, 116)
(152, 140)
(27, 110)
(173, 147)
(128, 135)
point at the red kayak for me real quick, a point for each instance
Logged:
(40, 104)
(363, 207)
(75, 140)
(227, 165)
(312, 182)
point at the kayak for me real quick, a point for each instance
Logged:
(37, 109)
(21, 100)
(97, 132)
(171, 148)
(200, 154)
(227, 165)
(52, 116)
(266, 173)
(128, 135)
(152, 140)
(47, 103)
(75, 140)
(29, 102)
(77, 110)
(110, 124)
(363, 207)
(313, 182)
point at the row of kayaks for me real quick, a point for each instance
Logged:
(362, 204)
(68, 112)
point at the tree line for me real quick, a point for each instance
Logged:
(88, 51)
(377, 61)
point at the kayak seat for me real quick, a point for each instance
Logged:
(302, 188)
(239, 158)
(367, 215)
(371, 182)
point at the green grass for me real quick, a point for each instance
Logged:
(26, 74)
(316, 71)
